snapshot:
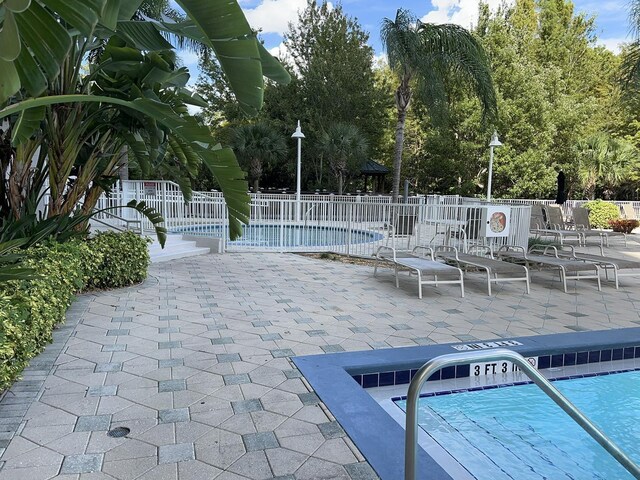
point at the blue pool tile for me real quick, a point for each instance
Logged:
(629, 352)
(386, 379)
(370, 380)
(637, 355)
(435, 376)
(570, 359)
(402, 377)
(544, 362)
(412, 374)
(557, 360)
(605, 355)
(448, 372)
(594, 356)
(358, 379)
(617, 354)
(462, 371)
(582, 358)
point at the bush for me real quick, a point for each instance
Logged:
(124, 260)
(601, 213)
(29, 309)
(624, 226)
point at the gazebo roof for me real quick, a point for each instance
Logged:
(371, 167)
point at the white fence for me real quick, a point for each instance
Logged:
(349, 224)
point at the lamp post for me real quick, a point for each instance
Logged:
(494, 143)
(299, 135)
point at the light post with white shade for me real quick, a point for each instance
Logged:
(494, 143)
(299, 135)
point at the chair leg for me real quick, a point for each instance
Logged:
(599, 283)
(461, 284)
(419, 285)
(396, 272)
(527, 280)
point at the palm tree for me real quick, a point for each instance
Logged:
(422, 55)
(345, 147)
(603, 161)
(257, 146)
(631, 59)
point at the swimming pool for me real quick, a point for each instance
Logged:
(287, 236)
(518, 433)
(347, 384)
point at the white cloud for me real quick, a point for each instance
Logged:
(460, 12)
(273, 16)
(614, 44)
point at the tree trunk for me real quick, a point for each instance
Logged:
(403, 97)
(340, 180)
(256, 184)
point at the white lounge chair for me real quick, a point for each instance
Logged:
(420, 266)
(581, 219)
(606, 263)
(538, 256)
(494, 269)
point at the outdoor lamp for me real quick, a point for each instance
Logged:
(493, 143)
(299, 135)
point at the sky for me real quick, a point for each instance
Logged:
(272, 18)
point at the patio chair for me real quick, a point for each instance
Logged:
(403, 228)
(554, 226)
(538, 256)
(628, 212)
(581, 219)
(493, 268)
(420, 266)
(606, 263)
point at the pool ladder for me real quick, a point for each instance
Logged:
(463, 358)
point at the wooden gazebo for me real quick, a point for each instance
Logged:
(377, 172)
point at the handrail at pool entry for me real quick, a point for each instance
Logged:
(435, 364)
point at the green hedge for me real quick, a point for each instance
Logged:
(30, 309)
(601, 213)
(125, 260)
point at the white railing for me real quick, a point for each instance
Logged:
(349, 224)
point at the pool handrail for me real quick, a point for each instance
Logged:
(498, 354)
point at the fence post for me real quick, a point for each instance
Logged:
(350, 206)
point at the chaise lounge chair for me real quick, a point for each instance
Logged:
(554, 225)
(538, 256)
(606, 263)
(494, 269)
(420, 266)
(581, 219)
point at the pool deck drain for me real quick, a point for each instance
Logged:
(196, 362)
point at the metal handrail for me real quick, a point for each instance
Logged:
(127, 221)
(435, 364)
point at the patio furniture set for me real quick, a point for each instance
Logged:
(447, 265)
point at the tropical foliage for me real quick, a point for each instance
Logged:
(345, 149)
(83, 81)
(258, 146)
(423, 56)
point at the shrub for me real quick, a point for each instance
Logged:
(601, 213)
(124, 260)
(29, 309)
(624, 226)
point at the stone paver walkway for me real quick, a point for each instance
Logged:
(195, 363)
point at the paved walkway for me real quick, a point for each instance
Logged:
(195, 363)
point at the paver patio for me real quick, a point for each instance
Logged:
(195, 362)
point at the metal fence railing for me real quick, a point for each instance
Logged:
(349, 224)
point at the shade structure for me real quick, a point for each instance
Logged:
(561, 196)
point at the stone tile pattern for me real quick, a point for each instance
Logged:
(196, 363)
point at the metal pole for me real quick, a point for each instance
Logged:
(298, 180)
(490, 173)
(432, 366)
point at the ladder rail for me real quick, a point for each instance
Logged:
(435, 364)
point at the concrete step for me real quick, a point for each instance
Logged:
(175, 247)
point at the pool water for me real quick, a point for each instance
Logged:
(273, 235)
(518, 433)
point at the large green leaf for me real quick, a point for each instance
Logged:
(27, 124)
(223, 164)
(223, 27)
(44, 41)
(143, 35)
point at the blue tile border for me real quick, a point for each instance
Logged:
(556, 360)
(379, 437)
